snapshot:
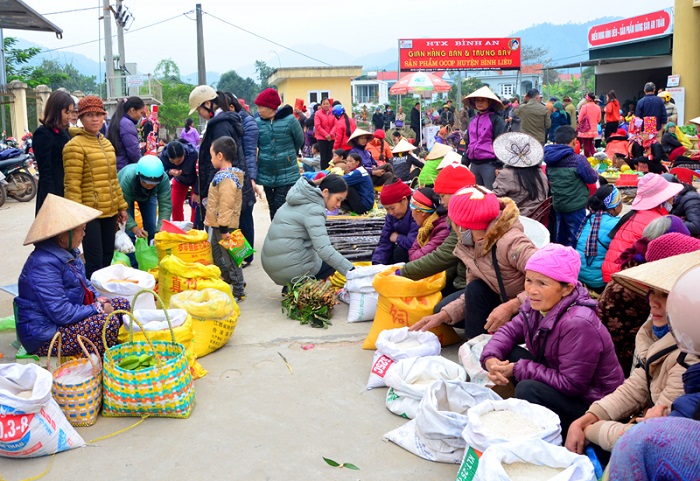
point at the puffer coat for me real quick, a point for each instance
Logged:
(279, 140)
(90, 173)
(297, 241)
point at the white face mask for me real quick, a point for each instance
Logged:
(667, 205)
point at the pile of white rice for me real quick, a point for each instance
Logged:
(509, 425)
(530, 472)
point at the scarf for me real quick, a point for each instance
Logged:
(660, 332)
(591, 249)
(423, 204)
(426, 229)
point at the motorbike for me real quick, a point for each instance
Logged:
(3, 191)
(15, 167)
(27, 149)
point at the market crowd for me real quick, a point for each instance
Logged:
(599, 350)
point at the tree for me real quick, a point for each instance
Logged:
(57, 75)
(469, 85)
(264, 71)
(244, 88)
(176, 94)
(16, 60)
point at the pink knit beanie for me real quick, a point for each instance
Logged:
(472, 208)
(672, 244)
(561, 263)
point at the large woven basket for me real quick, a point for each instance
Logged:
(79, 402)
(164, 390)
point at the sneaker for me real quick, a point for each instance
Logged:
(239, 298)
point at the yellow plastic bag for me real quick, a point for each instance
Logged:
(683, 139)
(191, 247)
(176, 275)
(403, 302)
(338, 280)
(184, 334)
(214, 314)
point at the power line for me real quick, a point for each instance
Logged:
(114, 36)
(71, 11)
(268, 40)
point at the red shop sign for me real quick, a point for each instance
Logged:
(439, 54)
(633, 29)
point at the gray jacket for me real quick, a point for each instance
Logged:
(297, 241)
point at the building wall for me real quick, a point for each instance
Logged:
(686, 40)
(293, 88)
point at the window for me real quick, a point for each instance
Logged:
(366, 94)
(507, 90)
(315, 96)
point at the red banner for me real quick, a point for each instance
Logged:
(430, 54)
(632, 29)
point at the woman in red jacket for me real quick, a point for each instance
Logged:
(344, 127)
(653, 200)
(588, 120)
(324, 122)
(612, 114)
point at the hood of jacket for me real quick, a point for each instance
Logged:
(227, 116)
(285, 111)
(555, 152)
(506, 220)
(304, 193)
(80, 132)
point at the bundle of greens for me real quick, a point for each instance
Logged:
(310, 301)
(689, 130)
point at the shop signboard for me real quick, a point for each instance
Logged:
(641, 27)
(439, 54)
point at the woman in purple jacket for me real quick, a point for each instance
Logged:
(431, 217)
(122, 131)
(191, 134)
(570, 359)
(400, 229)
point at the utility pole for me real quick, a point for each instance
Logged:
(3, 78)
(120, 38)
(201, 68)
(109, 60)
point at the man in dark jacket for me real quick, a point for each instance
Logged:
(652, 106)
(378, 119)
(415, 123)
(389, 118)
(447, 116)
(534, 116)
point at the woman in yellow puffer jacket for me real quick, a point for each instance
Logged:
(90, 166)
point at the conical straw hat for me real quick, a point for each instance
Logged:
(449, 159)
(696, 120)
(359, 133)
(403, 146)
(438, 151)
(58, 215)
(485, 93)
(661, 274)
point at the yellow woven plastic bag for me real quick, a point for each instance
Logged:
(403, 302)
(183, 328)
(214, 315)
(338, 280)
(191, 247)
(176, 275)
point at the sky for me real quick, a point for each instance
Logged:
(358, 27)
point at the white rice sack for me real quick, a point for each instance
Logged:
(533, 460)
(470, 357)
(396, 344)
(495, 422)
(121, 281)
(31, 423)
(436, 432)
(154, 319)
(410, 379)
(360, 278)
(363, 306)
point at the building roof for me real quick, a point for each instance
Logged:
(280, 74)
(17, 15)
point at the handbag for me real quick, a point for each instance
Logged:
(584, 125)
(162, 390)
(80, 401)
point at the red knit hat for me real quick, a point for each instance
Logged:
(452, 178)
(268, 98)
(473, 208)
(671, 244)
(394, 193)
(379, 134)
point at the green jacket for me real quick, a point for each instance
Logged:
(441, 259)
(534, 119)
(429, 172)
(279, 140)
(128, 180)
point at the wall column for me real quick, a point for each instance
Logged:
(686, 38)
(18, 112)
(42, 96)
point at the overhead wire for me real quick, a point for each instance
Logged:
(268, 40)
(70, 11)
(114, 36)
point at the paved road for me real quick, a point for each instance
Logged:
(253, 420)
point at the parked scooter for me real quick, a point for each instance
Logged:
(3, 189)
(21, 184)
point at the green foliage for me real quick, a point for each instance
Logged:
(16, 60)
(173, 113)
(56, 75)
(263, 70)
(244, 88)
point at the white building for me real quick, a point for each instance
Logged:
(505, 82)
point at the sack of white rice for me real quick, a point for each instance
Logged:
(410, 378)
(436, 432)
(396, 344)
(532, 460)
(495, 422)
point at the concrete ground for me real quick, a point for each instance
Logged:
(254, 420)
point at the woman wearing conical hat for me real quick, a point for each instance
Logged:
(54, 294)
